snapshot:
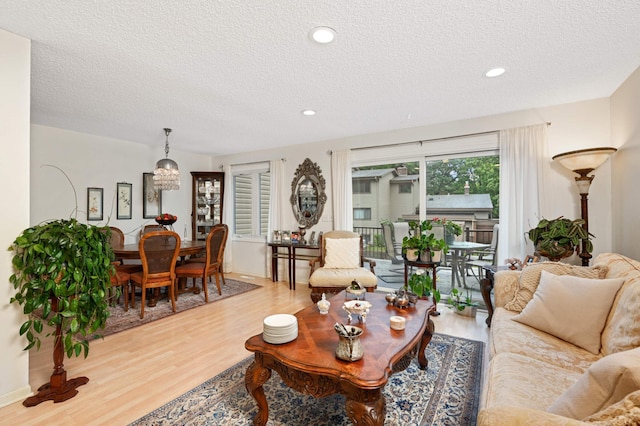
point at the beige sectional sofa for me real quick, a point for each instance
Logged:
(588, 375)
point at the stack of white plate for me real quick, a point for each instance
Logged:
(280, 328)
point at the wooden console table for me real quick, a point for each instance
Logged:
(291, 257)
(308, 364)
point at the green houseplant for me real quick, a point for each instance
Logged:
(559, 238)
(61, 276)
(451, 229)
(462, 305)
(423, 240)
(421, 284)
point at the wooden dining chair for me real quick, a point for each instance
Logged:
(212, 262)
(120, 279)
(159, 252)
(116, 239)
(121, 275)
(152, 228)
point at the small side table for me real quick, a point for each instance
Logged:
(420, 264)
(291, 256)
(486, 285)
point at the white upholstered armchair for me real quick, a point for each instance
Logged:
(340, 262)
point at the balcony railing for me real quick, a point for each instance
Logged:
(374, 246)
(372, 242)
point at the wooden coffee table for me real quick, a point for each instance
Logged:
(309, 365)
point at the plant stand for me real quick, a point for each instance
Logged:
(58, 389)
(418, 264)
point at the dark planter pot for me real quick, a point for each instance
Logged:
(556, 252)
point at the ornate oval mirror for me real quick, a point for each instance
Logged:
(307, 194)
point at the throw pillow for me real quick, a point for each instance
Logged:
(624, 412)
(530, 277)
(605, 382)
(341, 253)
(571, 308)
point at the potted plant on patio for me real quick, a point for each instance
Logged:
(462, 306)
(559, 238)
(451, 229)
(62, 274)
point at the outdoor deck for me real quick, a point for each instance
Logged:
(391, 278)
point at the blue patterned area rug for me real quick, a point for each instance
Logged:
(446, 394)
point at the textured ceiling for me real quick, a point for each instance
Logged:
(232, 76)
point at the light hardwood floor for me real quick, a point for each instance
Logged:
(133, 372)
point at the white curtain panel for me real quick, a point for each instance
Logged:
(228, 217)
(276, 195)
(341, 190)
(524, 165)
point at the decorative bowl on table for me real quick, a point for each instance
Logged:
(166, 219)
(360, 308)
(356, 289)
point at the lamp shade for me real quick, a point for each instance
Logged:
(166, 176)
(584, 160)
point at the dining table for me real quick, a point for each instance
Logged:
(459, 252)
(187, 248)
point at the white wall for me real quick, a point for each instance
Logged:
(625, 135)
(94, 161)
(15, 56)
(574, 126)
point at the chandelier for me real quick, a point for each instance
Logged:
(166, 176)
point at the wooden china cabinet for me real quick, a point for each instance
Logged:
(207, 195)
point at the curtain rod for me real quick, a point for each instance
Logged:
(428, 140)
(252, 162)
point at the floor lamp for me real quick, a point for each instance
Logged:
(583, 162)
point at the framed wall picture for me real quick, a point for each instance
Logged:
(95, 199)
(124, 200)
(151, 198)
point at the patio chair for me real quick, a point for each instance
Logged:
(393, 234)
(485, 257)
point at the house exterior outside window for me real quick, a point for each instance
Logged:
(361, 214)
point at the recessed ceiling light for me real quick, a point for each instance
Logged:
(308, 112)
(495, 72)
(322, 35)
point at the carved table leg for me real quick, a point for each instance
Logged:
(372, 412)
(426, 338)
(486, 285)
(254, 378)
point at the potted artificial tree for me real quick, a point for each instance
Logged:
(62, 274)
(559, 238)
